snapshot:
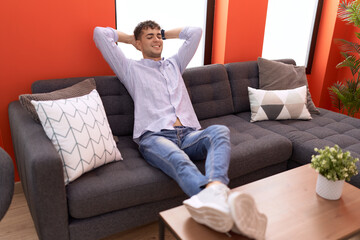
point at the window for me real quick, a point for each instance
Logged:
(168, 14)
(291, 30)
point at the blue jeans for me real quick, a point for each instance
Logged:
(173, 151)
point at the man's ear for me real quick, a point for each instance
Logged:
(138, 45)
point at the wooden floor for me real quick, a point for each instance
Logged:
(18, 225)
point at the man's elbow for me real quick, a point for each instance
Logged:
(97, 32)
(191, 32)
(199, 30)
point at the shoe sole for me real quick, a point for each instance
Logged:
(247, 218)
(210, 216)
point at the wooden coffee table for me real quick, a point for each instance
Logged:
(293, 208)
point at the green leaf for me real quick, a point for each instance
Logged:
(352, 62)
(334, 164)
(357, 35)
(333, 90)
(346, 96)
(347, 46)
(349, 11)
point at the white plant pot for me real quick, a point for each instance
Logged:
(328, 189)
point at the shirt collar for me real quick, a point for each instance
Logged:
(150, 62)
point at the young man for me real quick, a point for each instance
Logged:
(166, 127)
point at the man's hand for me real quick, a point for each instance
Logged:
(126, 38)
(133, 42)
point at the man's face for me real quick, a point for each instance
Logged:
(150, 44)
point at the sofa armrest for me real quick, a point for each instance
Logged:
(41, 173)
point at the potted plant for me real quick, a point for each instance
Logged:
(334, 167)
(346, 96)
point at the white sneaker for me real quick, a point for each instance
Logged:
(247, 218)
(210, 207)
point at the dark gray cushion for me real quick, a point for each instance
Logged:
(326, 129)
(243, 75)
(252, 147)
(274, 75)
(79, 89)
(209, 90)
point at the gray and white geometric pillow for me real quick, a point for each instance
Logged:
(278, 104)
(79, 130)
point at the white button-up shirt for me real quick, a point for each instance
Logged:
(156, 87)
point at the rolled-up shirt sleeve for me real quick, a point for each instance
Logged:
(105, 40)
(192, 36)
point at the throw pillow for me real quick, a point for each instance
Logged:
(278, 104)
(79, 130)
(79, 89)
(275, 75)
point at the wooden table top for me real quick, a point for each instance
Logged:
(293, 208)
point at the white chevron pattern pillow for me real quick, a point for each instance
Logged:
(278, 104)
(79, 130)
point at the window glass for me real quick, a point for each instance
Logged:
(168, 14)
(289, 29)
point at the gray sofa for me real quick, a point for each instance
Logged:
(129, 193)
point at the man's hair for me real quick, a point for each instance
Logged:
(143, 26)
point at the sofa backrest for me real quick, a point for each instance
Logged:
(117, 102)
(208, 87)
(209, 90)
(215, 90)
(241, 76)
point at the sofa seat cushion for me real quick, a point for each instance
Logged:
(119, 185)
(252, 147)
(326, 129)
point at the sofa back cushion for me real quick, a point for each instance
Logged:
(208, 87)
(209, 90)
(243, 75)
(117, 102)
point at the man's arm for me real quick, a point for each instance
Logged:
(126, 38)
(173, 33)
(105, 39)
(192, 36)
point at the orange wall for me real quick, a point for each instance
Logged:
(220, 31)
(246, 27)
(43, 39)
(243, 23)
